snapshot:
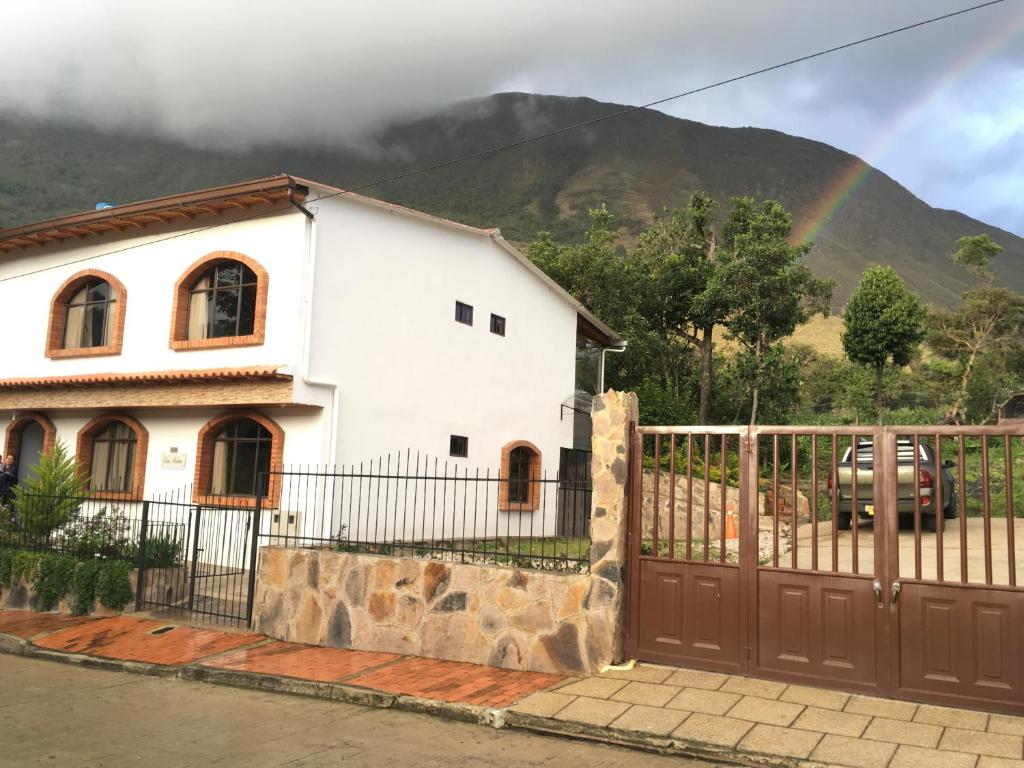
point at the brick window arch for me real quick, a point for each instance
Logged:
(15, 428)
(519, 484)
(235, 286)
(87, 316)
(111, 454)
(234, 443)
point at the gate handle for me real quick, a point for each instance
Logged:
(896, 586)
(878, 592)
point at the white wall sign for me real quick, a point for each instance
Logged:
(173, 460)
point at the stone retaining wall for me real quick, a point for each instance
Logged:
(22, 595)
(535, 620)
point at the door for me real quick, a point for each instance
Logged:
(31, 447)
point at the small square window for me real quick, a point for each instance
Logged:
(459, 446)
(463, 313)
(498, 325)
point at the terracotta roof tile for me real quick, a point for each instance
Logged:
(146, 377)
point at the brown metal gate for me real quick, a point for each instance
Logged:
(815, 555)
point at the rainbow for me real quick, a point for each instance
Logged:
(856, 171)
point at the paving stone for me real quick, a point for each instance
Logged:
(709, 729)
(869, 705)
(597, 712)
(999, 762)
(815, 697)
(780, 741)
(994, 744)
(830, 721)
(651, 694)
(543, 704)
(748, 686)
(1006, 724)
(854, 753)
(918, 757)
(695, 678)
(563, 683)
(957, 718)
(654, 720)
(699, 700)
(765, 711)
(306, 662)
(643, 673)
(595, 687)
(903, 732)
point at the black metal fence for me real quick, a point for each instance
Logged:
(412, 505)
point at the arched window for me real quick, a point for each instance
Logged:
(112, 455)
(87, 316)
(29, 435)
(235, 455)
(220, 301)
(520, 477)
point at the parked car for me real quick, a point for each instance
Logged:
(926, 486)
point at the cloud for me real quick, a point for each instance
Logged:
(233, 73)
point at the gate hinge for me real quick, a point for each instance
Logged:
(746, 444)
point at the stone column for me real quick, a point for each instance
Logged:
(612, 414)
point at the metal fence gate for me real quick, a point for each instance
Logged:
(872, 559)
(197, 561)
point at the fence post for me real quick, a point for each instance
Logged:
(195, 559)
(261, 477)
(140, 580)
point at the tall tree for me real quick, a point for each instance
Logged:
(770, 289)
(883, 321)
(685, 297)
(975, 253)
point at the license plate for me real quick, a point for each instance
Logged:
(870, 509)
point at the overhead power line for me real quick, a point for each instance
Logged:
(563, 129)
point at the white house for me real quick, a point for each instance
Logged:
(200, 339)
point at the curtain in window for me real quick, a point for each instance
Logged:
(75, 322)
(100, 463)
(219, 475)
(199, 310)
(119, 474)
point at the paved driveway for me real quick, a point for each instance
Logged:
(929, 547)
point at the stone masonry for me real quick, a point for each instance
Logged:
(534, 620)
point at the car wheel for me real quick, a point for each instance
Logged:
(844, 522)
(929, 523)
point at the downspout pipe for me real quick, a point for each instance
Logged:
(600, 370)
(307, 322)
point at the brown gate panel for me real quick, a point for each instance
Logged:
(962, 645)
(689, 613)
(818, 628)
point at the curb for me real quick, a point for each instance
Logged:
(367, 697)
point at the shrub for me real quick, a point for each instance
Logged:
(53, 580)
(163, 551)
(51, 495)
(103, 535)
(83, 586)
(113, 586)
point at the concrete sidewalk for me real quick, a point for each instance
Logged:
(660, 709)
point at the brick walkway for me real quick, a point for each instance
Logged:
(759, 716)
(163, 643)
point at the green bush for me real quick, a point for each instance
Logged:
(6, 561)
(103, 535)
(163, 551)
(113, 586)
(53, 580)
(83, 586)
(51, 495)
(24, 566)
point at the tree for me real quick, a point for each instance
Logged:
(51, 495)
(770, 289)
(976, 253)
(883, 321)
(685, 297)
(990, 321)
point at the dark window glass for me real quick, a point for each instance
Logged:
(241, 455)
(459, 446)
(222, 302)
(113, 458)
(88, 316)
(463, 313)
(519, 475)
(498, 325)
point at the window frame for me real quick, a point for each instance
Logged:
(533, 496)
(114, 320)
(501, 325)
(205, 443)
(183, 291)
(85, 451)
(459, 306)
(452, 449)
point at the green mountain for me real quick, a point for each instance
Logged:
(636, 164)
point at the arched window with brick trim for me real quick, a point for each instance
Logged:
(520, 477)
(220, 301)
(234, 456)
(27, 436)
(112, 452)
(87, 316)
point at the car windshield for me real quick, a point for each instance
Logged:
(904, 452)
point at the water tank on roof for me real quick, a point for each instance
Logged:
(103, 206)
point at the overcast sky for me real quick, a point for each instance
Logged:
(941, 109)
